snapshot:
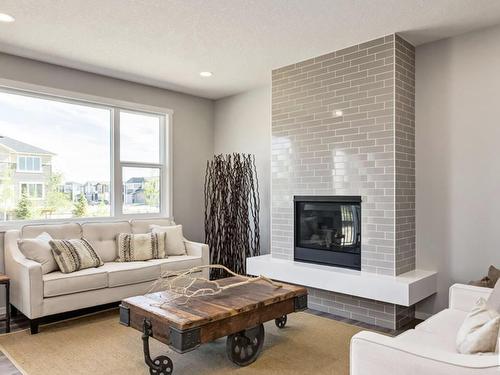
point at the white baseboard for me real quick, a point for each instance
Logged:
(422, 315)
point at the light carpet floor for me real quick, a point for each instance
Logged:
(98, 344)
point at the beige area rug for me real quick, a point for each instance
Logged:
(98, 344)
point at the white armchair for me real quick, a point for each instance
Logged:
(427, 349)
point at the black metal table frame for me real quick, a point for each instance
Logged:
(6, 318)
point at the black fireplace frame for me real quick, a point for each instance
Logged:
(351, 260)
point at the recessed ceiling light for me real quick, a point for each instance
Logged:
(4, 17)
(206, 74)
(339, 113)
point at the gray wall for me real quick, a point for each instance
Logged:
(243, 124)
(457, 159)
(193, 131)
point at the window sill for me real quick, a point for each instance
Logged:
(110, 219)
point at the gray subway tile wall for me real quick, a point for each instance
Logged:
(405, 155)
(368, 151)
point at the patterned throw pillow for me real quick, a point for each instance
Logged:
(132, 247)
(74, 255)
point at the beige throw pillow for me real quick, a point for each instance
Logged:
(74, 255)
(133, 247)
(479, 331)
(493, 302)
(38, 249)
(174, 241)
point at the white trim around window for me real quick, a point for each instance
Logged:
(166, 159)
(27, 158)
(28, 183)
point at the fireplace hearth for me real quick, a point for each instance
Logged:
(328, 230)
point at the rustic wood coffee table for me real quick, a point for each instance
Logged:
(238, 313)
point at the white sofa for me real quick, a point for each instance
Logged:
(38, 296)
(429, 348)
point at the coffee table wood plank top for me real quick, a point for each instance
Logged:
(202, 310)
(238, 313)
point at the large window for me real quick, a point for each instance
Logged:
(62, 158)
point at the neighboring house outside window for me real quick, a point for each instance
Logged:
(134, 190)
(72, 190)
(23, 167)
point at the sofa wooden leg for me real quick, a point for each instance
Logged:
(13, 311)
(34, 326)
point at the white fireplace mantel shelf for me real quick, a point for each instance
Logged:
(405, 289)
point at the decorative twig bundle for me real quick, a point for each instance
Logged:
(181, 286)
(232, 207)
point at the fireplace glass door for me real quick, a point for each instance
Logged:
(328, 227)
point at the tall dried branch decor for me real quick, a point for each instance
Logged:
(232, 207)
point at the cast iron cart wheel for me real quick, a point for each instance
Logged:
(244, 347)
(165, 365)
(161, 365)
(280, 322)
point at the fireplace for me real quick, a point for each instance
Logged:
(328, 230)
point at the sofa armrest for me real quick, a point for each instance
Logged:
(374, 354)
(463, 297)
(199, 250)
(26, 278)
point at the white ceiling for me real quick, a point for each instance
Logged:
(166, 43)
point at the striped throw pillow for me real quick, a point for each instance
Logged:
(132, 247)
(74, 255)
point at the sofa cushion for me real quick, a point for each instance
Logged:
(58, 283)
(441, 348)
(120, 273)
(445, 323)
(102, 237)
(58, 231)
(177, 262)
(442, 343)
(142, 225)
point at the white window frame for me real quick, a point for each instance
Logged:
(18, 169)
(27, 183)
(114, 105)
(118, 165)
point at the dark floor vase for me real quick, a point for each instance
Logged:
(232, 207)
